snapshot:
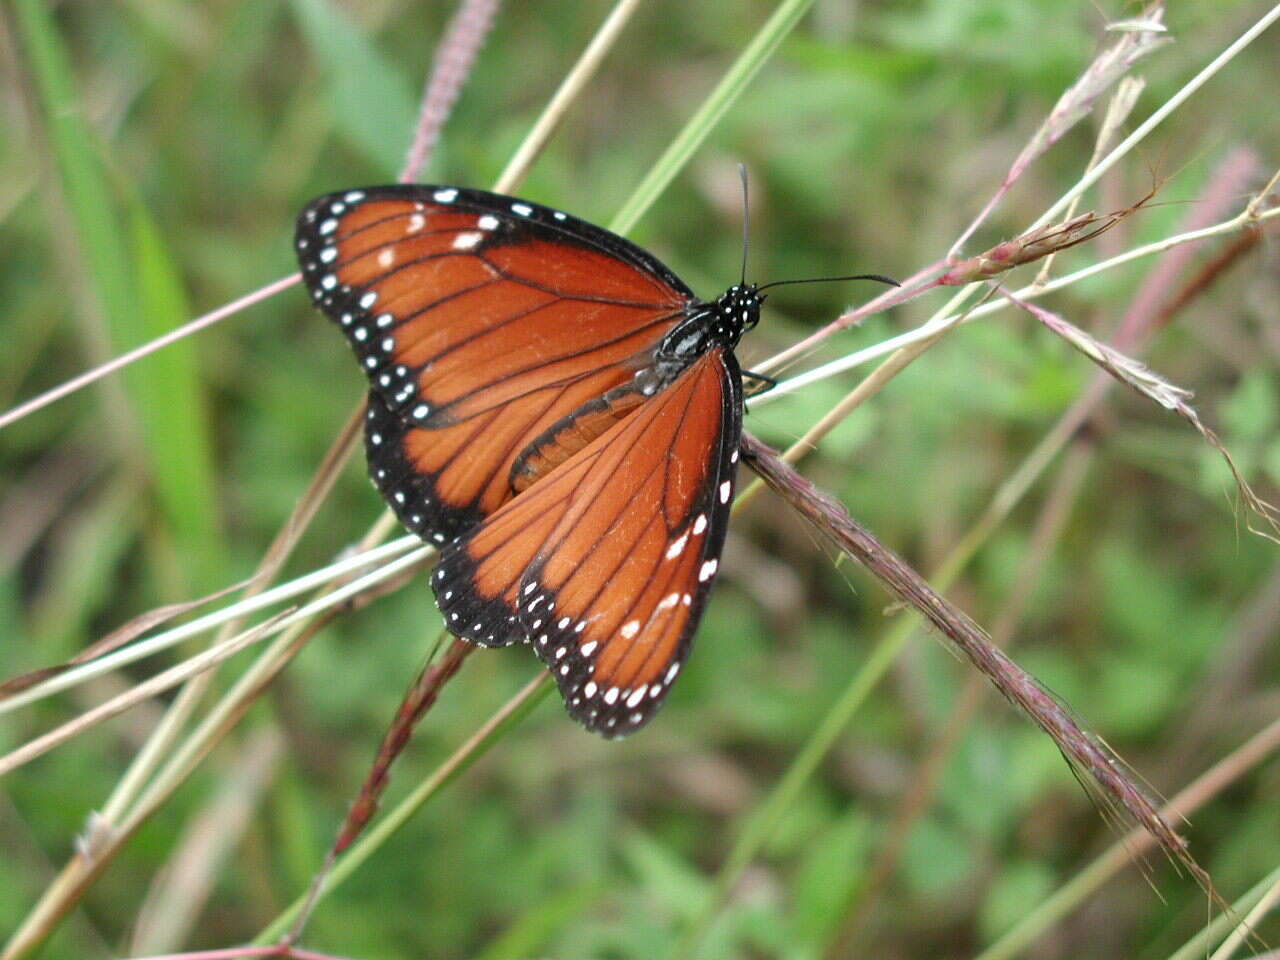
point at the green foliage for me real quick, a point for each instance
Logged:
(159, 158)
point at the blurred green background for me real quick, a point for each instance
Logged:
(155, 156)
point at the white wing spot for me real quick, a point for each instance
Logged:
(421, 410)
(725, 489)
(328, 254)
(700, 524)
(677, 547)
(369, 299)
(564, 622)
(328, 227)
(687, 599)
(530, 587)
(487, 222)
(669, 601)
(387, 257)
(346, 319)
(708, 570)
(611, 695)
(671, 674)
(587, 649)
(355, 196)
(590, 689)
(416, 223)
(521, 208)
(466, 241)
(630, 629)
(635, 698)
(445, 196)
(385, 320)
(581, 625)
(558, 215)
(564, 671)
(337, 207)
(329, 281)
(361, 334)
(375, 438)
(560, 652)
(733, 457)
(388, 344)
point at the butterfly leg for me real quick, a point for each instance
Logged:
(758, 384)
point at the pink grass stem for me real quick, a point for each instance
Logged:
(284, 951)
(148, 348)
(1085, 753)
(454, 58)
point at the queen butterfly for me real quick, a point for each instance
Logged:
(554, 407)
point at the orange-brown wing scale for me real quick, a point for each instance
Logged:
(605, 563)
(482, 322)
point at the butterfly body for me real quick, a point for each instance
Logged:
(557, 410)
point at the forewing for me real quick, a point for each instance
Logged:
(481, 321)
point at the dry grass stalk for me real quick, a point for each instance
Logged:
(1141, 379)
(1084, 751)
(1138, 39)
(1036, 244)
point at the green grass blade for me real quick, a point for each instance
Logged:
(373, 105)
(385, 828)
(1217, 929)
(166, 389)
(761, 824)
(701, 124)
(80, 169)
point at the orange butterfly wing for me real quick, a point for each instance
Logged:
(483, 323)
(605, 563)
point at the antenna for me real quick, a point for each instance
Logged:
(746, 220)
(860, 276)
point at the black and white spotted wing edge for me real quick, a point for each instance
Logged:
(410, 494)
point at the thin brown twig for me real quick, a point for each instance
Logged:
(419, 698)
(1084, 750)
(919, 794)
(151, 346)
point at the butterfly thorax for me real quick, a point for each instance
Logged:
(720, 323)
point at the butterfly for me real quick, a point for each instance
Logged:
(553, 407)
